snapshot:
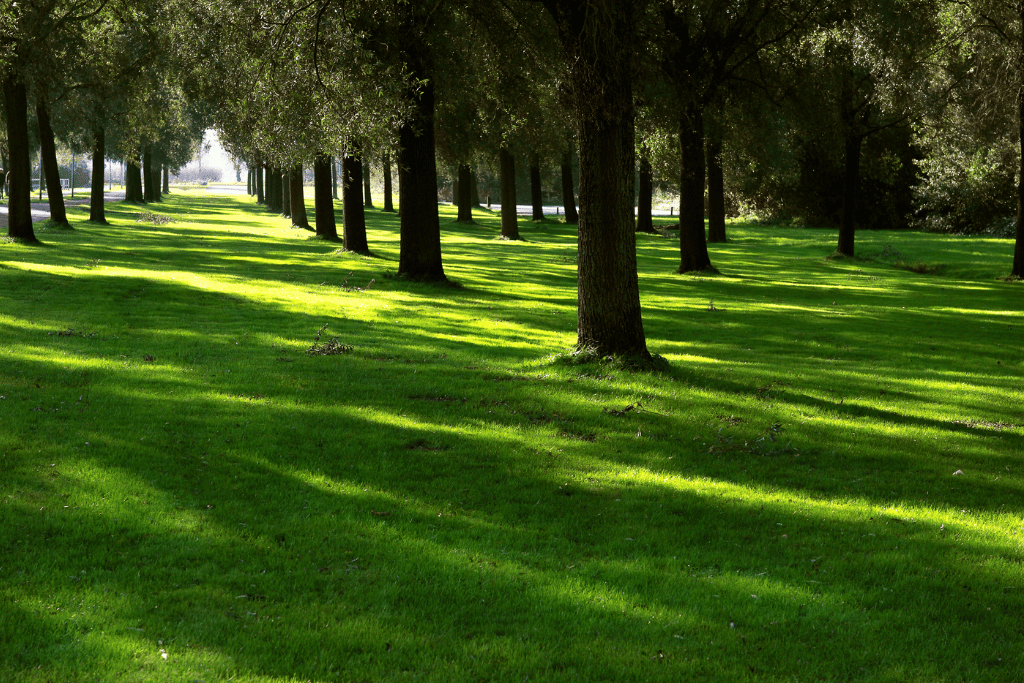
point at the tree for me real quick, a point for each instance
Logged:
(704, 44)
(992, 36)
(598, 42)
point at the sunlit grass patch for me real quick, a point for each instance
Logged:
(822, 480)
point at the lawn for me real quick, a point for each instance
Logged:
(822, 482)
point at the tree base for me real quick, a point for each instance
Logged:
(592, 355)
(708, 270)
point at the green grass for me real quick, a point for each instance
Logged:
(188, 495)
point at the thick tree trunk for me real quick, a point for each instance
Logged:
(644, 219)
(716, 187)
(297, 200)
(536, 198)
(509, 216)
(286, 194)
(97, 208)
(323, 202)
(568, 195)
(258, 177)
(420, 251)
(354, 228)
(388, 206)
(275, 191)
(54, 191)
(133, 181)
(693, 246)
(465, 186)
(148, 179)
(19, 205)
(1018, 248)
(367, 196)
(599, 50)
(851, 180)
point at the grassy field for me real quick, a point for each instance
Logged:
(826, 484)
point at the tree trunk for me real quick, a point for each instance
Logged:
(420, 251)
(54, 192)
(509, 217)
(367, 197)
(297, 200)
(286, 194)
(354, 228)
(148, 179)
(599, 47)
(851, 178)
(19, 205)
(133, 181)
(97, 209)
(323, 202)
(716, 186)
(536, 198)
(568, 196)
(465, 188)
(258, 177)
(167, 178)
(1018, 248)
(248, 180)
(275, 192)
(388, 206)
(693, 246)
(644, 219)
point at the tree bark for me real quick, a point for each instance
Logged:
(1018, 247)
(19, 205)
(509, 216)
(420, 250)
(97, 208)
(693, 246)
(716, 186)
(568, 195)
(167, 178)
(133, 181)
(354, 228)
(297, 200)
(644, 219)
(149, 178)
(851, 181)
(367, 196)
(54, 191)
(275, 191)
(323, 202)
(599, 50)
(536, 198)
(388, 206)
(248, 180)
(286, 194)
(465, 186)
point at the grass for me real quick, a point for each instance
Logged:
(825, 484)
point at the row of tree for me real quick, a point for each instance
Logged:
(787, 106)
